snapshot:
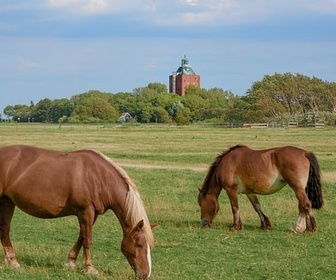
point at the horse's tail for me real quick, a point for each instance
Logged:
(314, 186)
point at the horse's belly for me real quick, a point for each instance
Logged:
(261, 186)
(276, 185)
(41, 206)
(42, 211)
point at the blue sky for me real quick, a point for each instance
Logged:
(59, 48)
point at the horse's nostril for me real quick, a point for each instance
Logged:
(140, 275)
(205, 223)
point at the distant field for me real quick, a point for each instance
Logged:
(168, 163)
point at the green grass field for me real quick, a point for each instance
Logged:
(168, 163)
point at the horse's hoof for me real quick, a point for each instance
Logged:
(71, 265)
(236, 228)
(293, 231)
(310, 230)
(91, 271)
(265, 228)
(297, 230)
(15, 265)
(12, 264)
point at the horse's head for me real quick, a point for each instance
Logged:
(209, 207)
(137, 251)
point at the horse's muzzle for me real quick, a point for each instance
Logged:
(205, 223)
(141, 275)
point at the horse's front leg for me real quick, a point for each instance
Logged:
(233, 196)
(73, 254)
(6, 213)
(265, 222)
(86, 221)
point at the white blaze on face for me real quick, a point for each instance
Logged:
(149, 259)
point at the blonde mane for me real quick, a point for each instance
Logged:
(136, 212)
(134, 204)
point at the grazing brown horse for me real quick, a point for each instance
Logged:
(51, 184)
(243, 170)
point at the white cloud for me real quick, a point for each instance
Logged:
(190, 2)
(93, 7)
(195, 12)
(80, 6)
(229, 12)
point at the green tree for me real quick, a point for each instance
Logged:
(287, 96)
(125, 102)
(21, 113)
(160, 115)
(9, 111)
(238, 111)
(183, 116)
(41, 110)
(158, 87)
(92, 107)
(60, 108)
(145, 113)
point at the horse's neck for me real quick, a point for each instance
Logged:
(214, 187)
(130, 211)
(125, 207)
(115, 200)
(121, 214)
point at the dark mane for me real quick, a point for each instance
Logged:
(213, 166)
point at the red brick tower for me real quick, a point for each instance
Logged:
(182, 78)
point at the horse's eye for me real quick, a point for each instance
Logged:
(138, 245)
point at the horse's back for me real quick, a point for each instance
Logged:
(277, 158)
(285, 154)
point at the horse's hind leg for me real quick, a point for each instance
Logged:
(265, 222)
(310, 223)
(306, 220)
(6, 213)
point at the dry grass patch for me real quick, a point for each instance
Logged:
(329, 176)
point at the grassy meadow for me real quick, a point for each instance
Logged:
(168, 163)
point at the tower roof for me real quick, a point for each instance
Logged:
(185, 68)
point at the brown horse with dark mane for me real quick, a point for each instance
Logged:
(85, 183)
(243, 170)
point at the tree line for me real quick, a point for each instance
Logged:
(276, 98)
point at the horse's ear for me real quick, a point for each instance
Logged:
(139, 226)
(154, 225)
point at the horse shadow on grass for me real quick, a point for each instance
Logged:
(27, 261)
(225, 226)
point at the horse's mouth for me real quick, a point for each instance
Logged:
(205, 223)
(139, 274)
